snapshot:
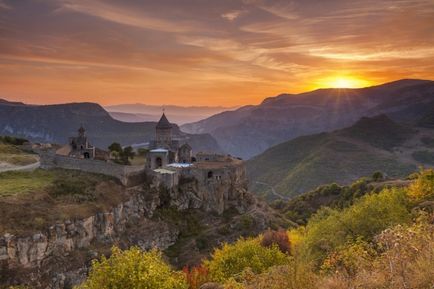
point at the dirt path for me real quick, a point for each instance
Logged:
(5, 167)
(273, 191)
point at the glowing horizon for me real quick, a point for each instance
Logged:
(208, 53)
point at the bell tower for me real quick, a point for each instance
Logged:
(163, 132)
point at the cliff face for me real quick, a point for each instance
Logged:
(59, 256)
(39, 252)
(211, 189)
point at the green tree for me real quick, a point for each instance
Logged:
(126, 154)
(377, 176)
(142, 152)
(133, 269)
(115, 147)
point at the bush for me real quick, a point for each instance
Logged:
(330, 229)
(12, 140)
(377, 176)
(405, 260)
(246, 222)
(196, 276)
(278, 238)
(422, 187)
(133, 269)
(231, 260)
(292, 276)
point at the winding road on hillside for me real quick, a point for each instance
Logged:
(5, 167)
(273, 191)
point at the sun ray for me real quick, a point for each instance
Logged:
(342, 81)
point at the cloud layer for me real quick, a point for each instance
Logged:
(226, 52)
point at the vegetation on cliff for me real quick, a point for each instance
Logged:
(31, 200)
(383, 240)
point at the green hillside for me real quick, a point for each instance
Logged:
(343, 156)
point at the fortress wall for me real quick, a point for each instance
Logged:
(128, 175)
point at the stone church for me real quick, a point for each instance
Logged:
(164, 149)
(79, 147)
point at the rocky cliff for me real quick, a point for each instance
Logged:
(34, 259)
(60, 255)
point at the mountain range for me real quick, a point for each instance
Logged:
(342, 156)
(55, 123)
(139, 112)
(252, 129)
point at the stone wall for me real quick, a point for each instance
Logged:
(128, 175)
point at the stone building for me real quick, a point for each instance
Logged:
(79, 147)
(164, 149)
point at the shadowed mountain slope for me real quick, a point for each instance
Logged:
(371, 144)
(55, 123)
(250, 130)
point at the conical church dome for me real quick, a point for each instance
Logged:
(163, 123)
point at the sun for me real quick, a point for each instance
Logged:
(342, 82)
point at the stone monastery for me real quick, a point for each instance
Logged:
(213, 177)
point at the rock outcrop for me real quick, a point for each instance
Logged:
(31, 253)
(60, 255)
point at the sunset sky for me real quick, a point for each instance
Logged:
(207, 52)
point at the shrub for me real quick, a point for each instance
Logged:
(133, 269)
(422, 187)
(12, 140)
(405, 260)
(278, 238)
(231, 260)
(377, 176)
(348, 258)
(246, 222)
(330, 229)
(292, 276)
(196, 276)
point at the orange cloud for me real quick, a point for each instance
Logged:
(228, 52)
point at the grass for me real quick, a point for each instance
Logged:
(12, 155)
(379, 131)
(138, 160)
(30, 201)
(13, 183)
(305, 163)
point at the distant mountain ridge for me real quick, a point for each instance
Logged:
(252, 129)
(371, 144)
(179, 114)
(55, 123)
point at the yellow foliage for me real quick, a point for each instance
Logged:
(296, 236)
(422, 188)
(233, 259)
(133, 269)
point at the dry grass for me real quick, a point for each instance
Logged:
(12, 155)
(31, 201)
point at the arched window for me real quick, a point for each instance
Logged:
(159, 162)
(210, 174)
